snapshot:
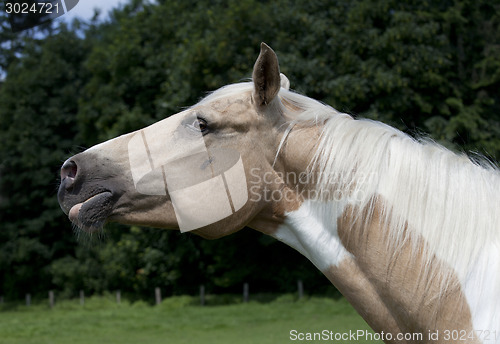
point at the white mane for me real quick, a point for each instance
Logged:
(450, 200)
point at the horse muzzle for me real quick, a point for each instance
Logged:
(86, 198)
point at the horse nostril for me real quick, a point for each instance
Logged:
(68, 172)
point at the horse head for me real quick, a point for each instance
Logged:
(209, 169)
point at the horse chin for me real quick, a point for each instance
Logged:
(216, 231)
(91, 215)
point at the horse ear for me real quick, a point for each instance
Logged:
(266, 76)
(285, 83)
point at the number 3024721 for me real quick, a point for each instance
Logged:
(35, 8)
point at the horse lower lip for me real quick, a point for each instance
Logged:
(75, 215)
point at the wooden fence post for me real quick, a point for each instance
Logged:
(51, 299)
(300, 287)
(158, 295)
(245, 292)
(202, 295)
(118, 296)
(82, 297)
(28, 300)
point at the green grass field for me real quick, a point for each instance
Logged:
(178, 320)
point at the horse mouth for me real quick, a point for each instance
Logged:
(91, 215)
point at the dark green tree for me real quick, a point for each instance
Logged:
(37, 126)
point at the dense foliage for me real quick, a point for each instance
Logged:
(430, 67)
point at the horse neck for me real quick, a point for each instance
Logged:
(396, 289)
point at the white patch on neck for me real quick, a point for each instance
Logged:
(312, 230)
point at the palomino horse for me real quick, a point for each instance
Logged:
(408, 231)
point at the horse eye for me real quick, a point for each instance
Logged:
(199, 124)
